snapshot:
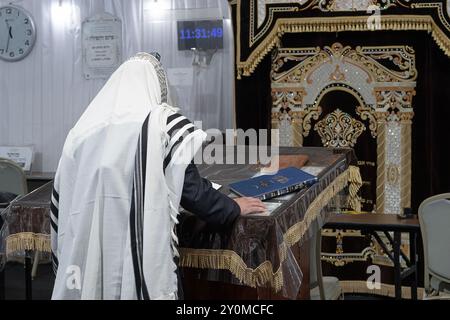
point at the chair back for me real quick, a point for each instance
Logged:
(12, 178)
(434, 217)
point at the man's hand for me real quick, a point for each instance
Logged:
(250, 205)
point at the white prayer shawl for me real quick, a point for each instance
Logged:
(118, 188)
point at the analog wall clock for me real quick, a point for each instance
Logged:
(17, 33)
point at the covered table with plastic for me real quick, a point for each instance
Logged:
(266, 256)
(261, 256)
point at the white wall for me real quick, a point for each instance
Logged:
(42, 96)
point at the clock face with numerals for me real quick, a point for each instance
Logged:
(17, 33)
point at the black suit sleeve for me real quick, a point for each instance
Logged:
(210, 205)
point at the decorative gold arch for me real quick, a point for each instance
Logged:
(382, 79)
(262, 23)
(301, 77)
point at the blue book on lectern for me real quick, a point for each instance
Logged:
(270, 186)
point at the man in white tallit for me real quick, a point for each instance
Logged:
(126, 167)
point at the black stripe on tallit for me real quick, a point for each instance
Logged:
(137, 213)
(144, 143)
(168, 159)
(54, 209)
(55, 195)
(172, 118)
(134, 250)
(180, 125)
(54, 225)
(55, 261)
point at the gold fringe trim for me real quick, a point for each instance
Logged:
(339, 24)
(347, 178)
(263, 275)
(386, 290)
(231, 261)
(28, 241)
(354, 187)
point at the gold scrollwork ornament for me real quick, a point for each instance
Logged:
(339, 130)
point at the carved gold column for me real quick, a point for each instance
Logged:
(297, 128)
(406, 122)
(381, 161)
(286, 105)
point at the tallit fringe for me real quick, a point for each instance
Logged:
(174, 239)
(28, 241)
(263, 275)
(386, 290)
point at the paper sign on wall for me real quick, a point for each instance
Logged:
(102, 46)
(23, 156)
(180, 77)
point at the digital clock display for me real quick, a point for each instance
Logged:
(200, 35)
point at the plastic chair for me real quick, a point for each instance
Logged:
(12, 178)
(322, 288)
(434, 217)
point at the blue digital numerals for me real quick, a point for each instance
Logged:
(201, 33)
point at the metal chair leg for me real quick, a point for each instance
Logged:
(28, 281)
(2, 284)
(37, 256)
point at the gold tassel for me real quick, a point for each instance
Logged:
(229, 260)
(386, 290)
(354, 187)
(27, 241)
